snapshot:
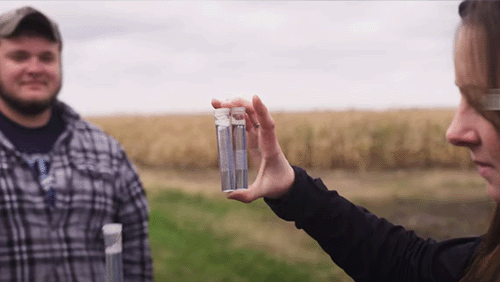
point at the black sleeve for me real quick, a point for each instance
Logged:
(369, 248)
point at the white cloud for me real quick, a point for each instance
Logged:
(151, 56)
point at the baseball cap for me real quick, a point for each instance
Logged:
(10, 21)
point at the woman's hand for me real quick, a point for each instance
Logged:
(275, 175)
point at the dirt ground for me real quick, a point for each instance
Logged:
(436, 203)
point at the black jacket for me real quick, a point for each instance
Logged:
(369, 248)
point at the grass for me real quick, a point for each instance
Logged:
(198, 235)
(189, 253)
(188, 245)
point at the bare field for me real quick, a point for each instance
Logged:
(434, 184)
(437, 203)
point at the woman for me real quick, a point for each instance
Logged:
(369, 248)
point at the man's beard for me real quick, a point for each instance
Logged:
(28, 108)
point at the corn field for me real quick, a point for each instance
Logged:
(352, 140)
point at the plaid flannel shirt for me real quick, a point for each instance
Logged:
(95, 184)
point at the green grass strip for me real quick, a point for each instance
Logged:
(186, 248)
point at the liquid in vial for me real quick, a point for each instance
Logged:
(225, 149)
(239, 147)
(112, 233)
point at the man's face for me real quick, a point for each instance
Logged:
(30, 74)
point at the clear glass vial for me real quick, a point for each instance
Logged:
(112, 233)
(225, 148)
(239, 147)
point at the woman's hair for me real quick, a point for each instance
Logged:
(484, 16)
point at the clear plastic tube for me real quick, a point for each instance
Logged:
(113, 248)
(239, 147)
(225, 149)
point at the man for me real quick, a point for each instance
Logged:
(61, 178)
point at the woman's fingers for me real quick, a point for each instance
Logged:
(246, 196)
(216, 103)
(267, 136)
(238, 102)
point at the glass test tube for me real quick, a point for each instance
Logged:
(225, 149)
(113, 243)
(239, 147)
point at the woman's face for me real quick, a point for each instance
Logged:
(469, 128)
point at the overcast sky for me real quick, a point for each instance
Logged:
(173, 56)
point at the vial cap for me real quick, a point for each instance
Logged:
(222, 116)
(238, 116)
(222, 112)
(238, 110)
